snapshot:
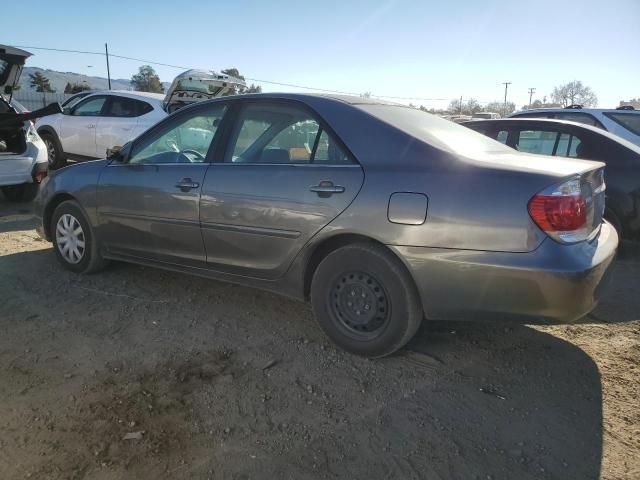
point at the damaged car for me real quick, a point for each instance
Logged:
(23, 154)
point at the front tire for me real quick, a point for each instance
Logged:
(365, 300)
(73, 239)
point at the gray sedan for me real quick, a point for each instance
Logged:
(379, 214)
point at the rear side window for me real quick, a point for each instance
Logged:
(502, 136)
(536, 141)
(282, 134)
(630, 121)
(126, 107)
(579, 118)
(567, 146)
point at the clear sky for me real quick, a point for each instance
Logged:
(408, 48)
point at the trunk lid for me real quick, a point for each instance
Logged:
(198, 85)
(11, 62)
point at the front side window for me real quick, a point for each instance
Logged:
(90, 107)
(185, 140)
(536, 141)
(282, 134)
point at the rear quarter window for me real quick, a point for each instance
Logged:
(630, 121)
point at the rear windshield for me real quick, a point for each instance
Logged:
(436, 131)
(630, 121)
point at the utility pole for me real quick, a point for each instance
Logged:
(106, 52)
(506, 86)
(532, 90)
(460, 104)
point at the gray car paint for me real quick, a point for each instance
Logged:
(477, 234)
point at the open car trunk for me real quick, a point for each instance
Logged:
(198, 85)
(12, 131)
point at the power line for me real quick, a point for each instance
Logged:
(270, 82)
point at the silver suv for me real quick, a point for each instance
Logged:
(622, 121)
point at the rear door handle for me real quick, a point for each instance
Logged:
(326, 188)
(187, 184)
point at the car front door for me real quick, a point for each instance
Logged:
(283, 177)
(78, 127)
(148, 205)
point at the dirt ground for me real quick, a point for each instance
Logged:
(218, 381)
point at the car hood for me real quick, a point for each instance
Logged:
(11, 62)
(198, 85)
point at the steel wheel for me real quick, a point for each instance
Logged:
(70, 238)
(360, 304)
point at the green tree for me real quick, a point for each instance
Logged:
(40, 82)
(574, 93)
(234, 72)
(500, 107)
(76, 87)
(469, 107)
(147, 80)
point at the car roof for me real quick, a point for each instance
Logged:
(574, 110)
(555, 122)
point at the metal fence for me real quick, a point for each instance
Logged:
(33, 100)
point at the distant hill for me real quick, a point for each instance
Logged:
(59, 80)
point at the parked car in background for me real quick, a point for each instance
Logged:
(23, 155)
(378, 213)
(623, 121)
(485, 115)
(93, 122)
(569, 139)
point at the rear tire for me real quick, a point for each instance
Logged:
(25, 192)
(73, 239)
(56, 156)
(365, 300)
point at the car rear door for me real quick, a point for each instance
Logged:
(78, 126)
(118, 122)
(283, 176)
(148, 206)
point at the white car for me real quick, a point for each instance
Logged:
(101, 120)
(23, 155)
(622, 121)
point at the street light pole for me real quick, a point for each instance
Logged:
(106, 52)
(532, 90)
(506, 86)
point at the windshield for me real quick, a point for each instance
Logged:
(436, 131)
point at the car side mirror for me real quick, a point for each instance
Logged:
(66, 111)
(119, 153)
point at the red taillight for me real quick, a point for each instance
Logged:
(565, 212)
(558, 213)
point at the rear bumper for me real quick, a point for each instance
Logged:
(16, 169)
(553, 283)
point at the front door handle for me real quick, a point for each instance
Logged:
(91, 125)
(326, 188)
(187, 184)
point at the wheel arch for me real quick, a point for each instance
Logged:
(332, 243)
(47, 214)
